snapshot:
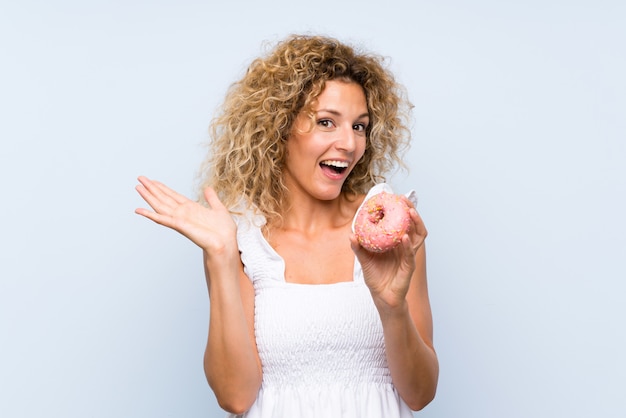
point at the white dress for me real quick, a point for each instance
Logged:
(321, 346)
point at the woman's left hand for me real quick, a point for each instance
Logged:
(388, 274)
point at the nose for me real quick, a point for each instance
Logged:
(346, 139)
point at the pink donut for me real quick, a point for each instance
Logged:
(381, 222)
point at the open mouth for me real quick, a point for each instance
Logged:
(338, 167)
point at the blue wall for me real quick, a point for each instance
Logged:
(518, 160)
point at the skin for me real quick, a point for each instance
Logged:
(316, 222)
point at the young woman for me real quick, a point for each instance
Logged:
(304, 322)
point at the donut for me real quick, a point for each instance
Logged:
(381, 222)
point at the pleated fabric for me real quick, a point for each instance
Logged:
(321, 346)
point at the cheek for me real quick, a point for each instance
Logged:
(361, 149)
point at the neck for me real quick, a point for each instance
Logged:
(313, 216)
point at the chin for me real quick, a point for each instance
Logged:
(330, 193)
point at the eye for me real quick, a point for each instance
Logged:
(359, 127)
(326, 123)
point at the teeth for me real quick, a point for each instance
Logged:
(340, 164)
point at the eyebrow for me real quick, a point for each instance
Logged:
(337, 113)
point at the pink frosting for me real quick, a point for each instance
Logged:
(381, 222)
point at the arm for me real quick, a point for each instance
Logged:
(231, 360)
(408, 333)
(397, 282)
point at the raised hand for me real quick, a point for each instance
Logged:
(211, 228)
(388, 274)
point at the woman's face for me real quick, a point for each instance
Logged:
(320, 159)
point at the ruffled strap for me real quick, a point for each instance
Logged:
(260, 260)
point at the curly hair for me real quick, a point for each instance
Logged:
(247, 147)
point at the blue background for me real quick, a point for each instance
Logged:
(518, 160)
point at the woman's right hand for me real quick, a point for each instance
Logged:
(211, 228)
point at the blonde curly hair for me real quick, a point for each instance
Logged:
(247, 147)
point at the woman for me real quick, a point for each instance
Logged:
(304, 322)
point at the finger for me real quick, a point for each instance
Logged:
(354, 244)
(155, 202)
(156, 194)
(416, 234)
(171, 193)
(155, 217)
(415, 243)
(412, 246)
(418, 223)
(159, 190)
(361, 254)
(145, 194)
(408, 245)
(213, 199)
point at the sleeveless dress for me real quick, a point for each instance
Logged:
(321, 346)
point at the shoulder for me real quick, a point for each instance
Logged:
(246, 215)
